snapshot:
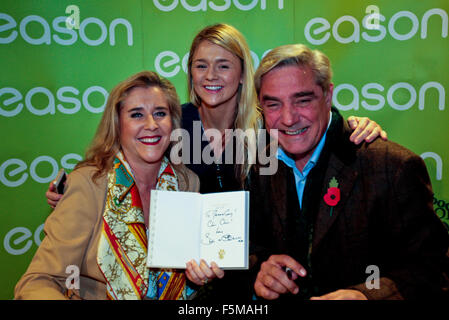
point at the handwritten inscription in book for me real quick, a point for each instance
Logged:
(185, 226)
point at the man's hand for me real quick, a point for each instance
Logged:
(344, 294)
(272, 280)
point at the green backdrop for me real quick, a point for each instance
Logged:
(54, 80)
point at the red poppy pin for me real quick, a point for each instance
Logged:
(332, 197)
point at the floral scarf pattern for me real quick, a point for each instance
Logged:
(122, 251)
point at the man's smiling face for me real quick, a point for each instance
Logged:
(297, 107)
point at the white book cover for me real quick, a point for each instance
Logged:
(186, 225)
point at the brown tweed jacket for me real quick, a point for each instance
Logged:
(385, 218)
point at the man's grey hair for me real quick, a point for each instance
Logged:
(299, 55)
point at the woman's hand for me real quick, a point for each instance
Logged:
(365, 129)
(202, 274)
(52, 197)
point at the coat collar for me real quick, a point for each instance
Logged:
(326, 214)
(338, 156)
(279, 185)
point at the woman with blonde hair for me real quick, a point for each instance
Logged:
(99, 227)
(221, 89)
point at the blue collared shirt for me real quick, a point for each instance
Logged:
(301, 177)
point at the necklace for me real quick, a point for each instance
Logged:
(217, 166)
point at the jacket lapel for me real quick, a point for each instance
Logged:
(339, 152)
(279, 200)
(327, 214)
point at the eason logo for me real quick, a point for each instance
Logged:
(168, 63)
(318, 30)
(12, 101)
(442, 210)
(373, 100)
(36, 30)
(15, 172)
(438, 163)
(215, 5)
(20, 239)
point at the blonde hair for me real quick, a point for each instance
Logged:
(248, 115)
(106, 142)
(300, 55)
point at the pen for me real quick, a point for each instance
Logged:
(289, 272)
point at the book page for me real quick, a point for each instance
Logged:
(174, 229)
(224, 229)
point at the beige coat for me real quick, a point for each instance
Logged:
(72, 235)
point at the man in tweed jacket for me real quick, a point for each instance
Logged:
(337, 220)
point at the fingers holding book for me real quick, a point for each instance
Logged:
(203, 273)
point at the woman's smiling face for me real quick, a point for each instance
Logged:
(145, 125)
(216, 75)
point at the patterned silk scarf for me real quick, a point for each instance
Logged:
(122, 251)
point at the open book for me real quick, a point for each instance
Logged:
(187, 225)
